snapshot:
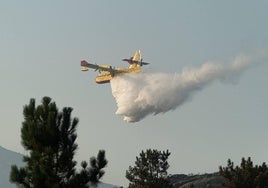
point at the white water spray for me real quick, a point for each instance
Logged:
(138, 95)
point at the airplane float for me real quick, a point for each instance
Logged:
(107, 72)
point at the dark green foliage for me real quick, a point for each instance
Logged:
(97, 164)
(150, 170)
(246, 175)
(49, 136)
(93, 173)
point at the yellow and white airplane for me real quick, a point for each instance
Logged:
(107, 72)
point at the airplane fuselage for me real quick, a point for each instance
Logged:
(106, 76)
(107, 72)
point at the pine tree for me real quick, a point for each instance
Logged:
(150, 170)
(246, 175)
(49, 136)
(91, 174)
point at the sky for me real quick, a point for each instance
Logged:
(42, 44)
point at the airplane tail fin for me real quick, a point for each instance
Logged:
(137, 56)
(136, 59)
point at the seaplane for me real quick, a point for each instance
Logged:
(107, 72)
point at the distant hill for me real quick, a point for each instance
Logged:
(106, 185)
(8, 158)
(213, 180)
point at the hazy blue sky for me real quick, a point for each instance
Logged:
(42, 43)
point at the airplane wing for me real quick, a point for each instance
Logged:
(85, 65)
